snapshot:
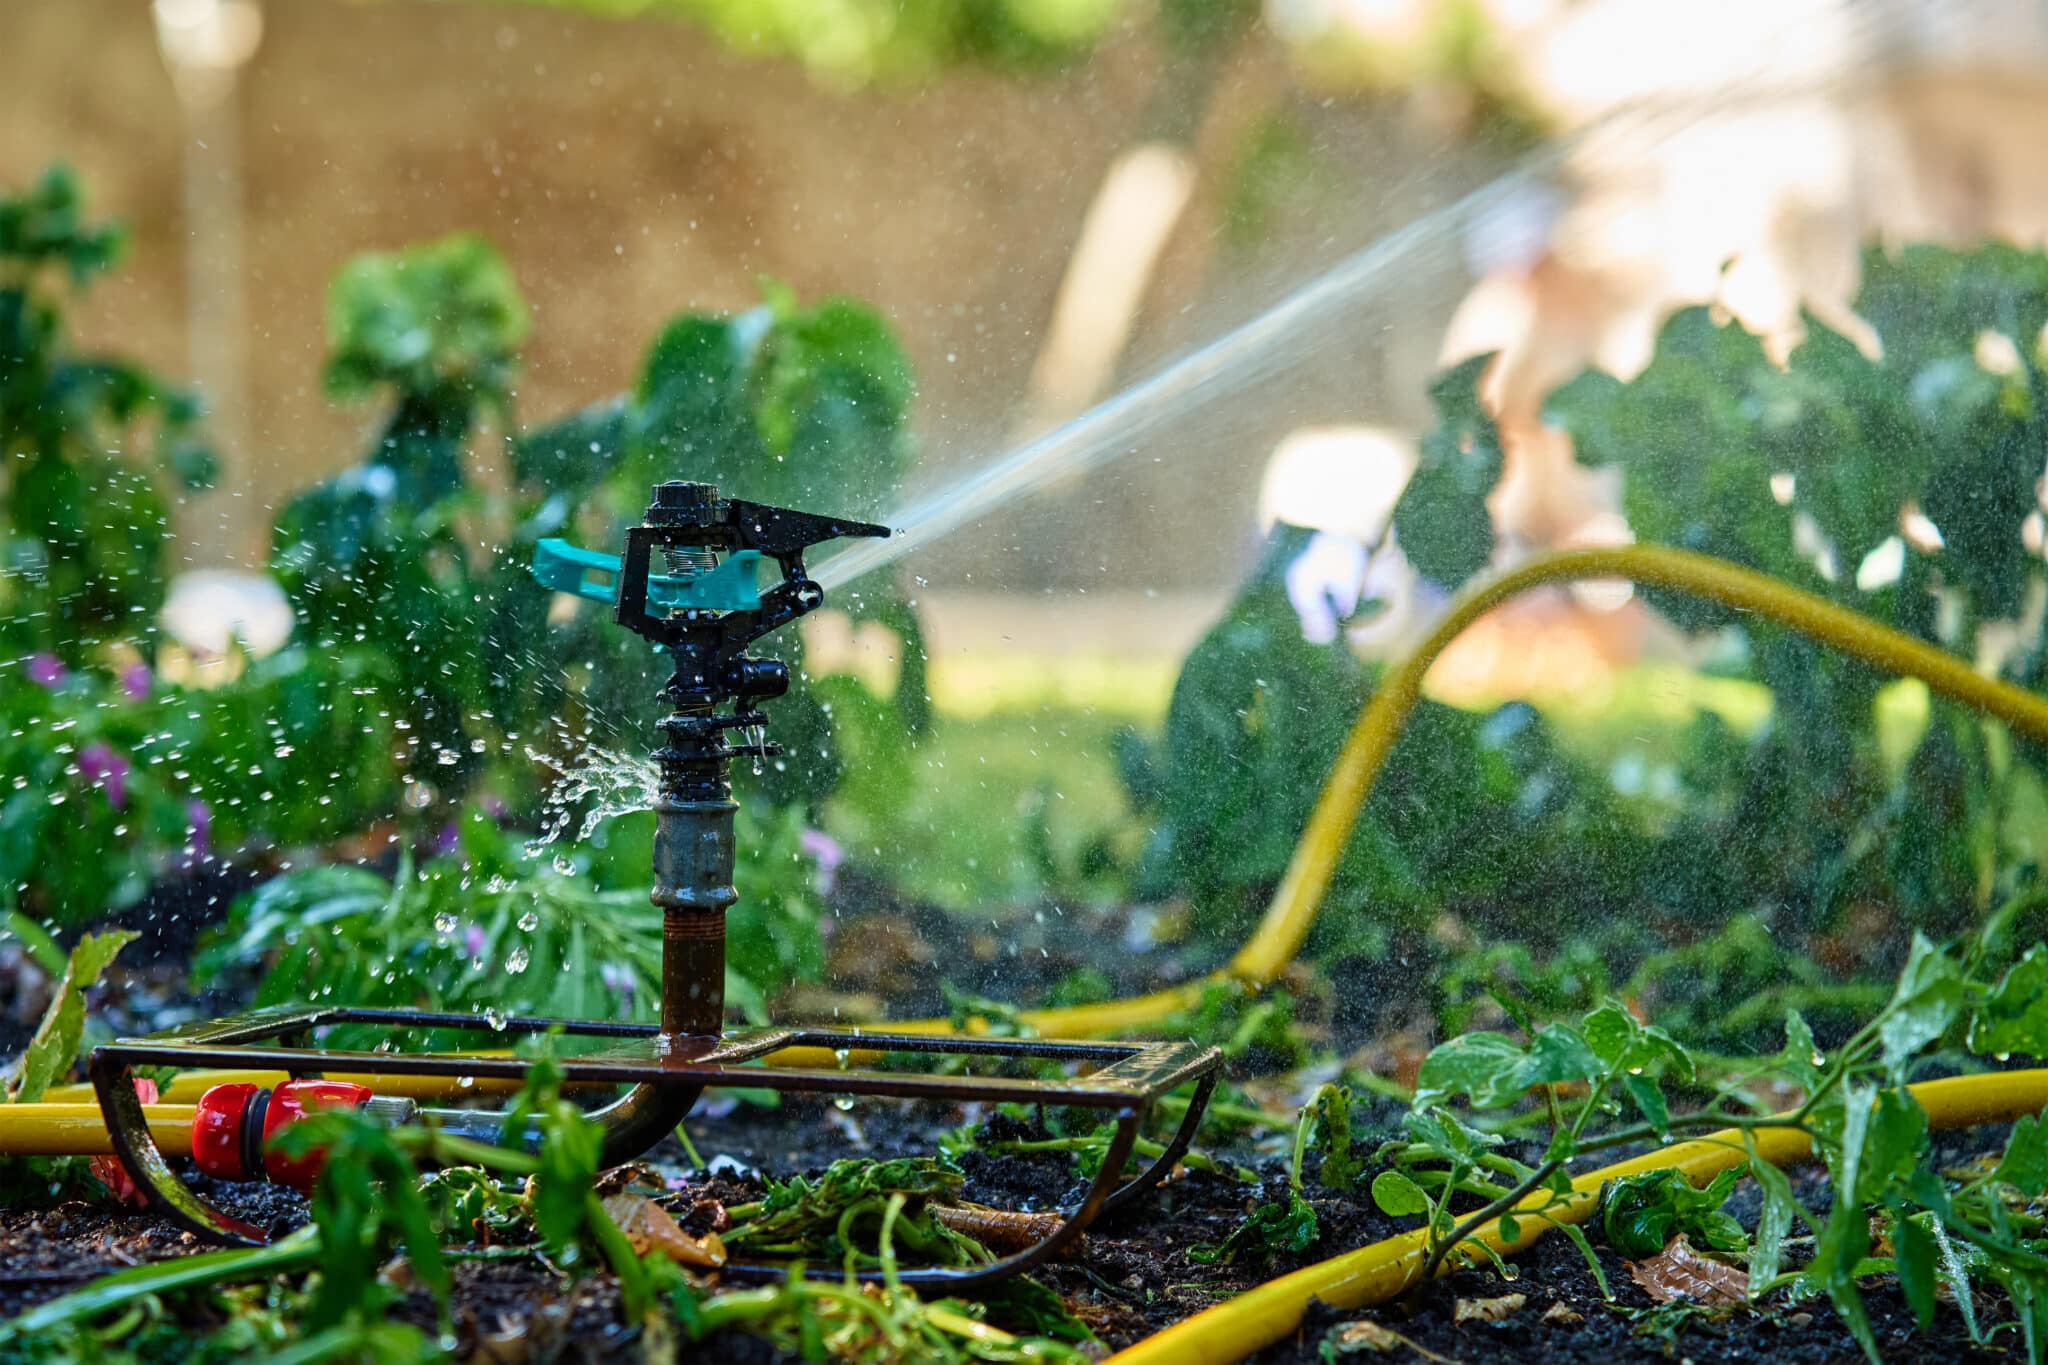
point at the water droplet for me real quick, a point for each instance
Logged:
(496, 1018)
(444, 923)
(843, 1103)
(516, 960)
(839, 1055)
(529, 921)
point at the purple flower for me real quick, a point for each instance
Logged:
(135, 681)
(449, 839)
(45, 669)
(473, 939)
(104, 768)
(495, 807)
(829, 855)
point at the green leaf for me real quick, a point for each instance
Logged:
(1893, 1142)
(54, 1048)
(1484, 1066)
(1773, 1222)
(1914, 1259)
(2024, 1166)
(1928, 999)
(1398, 1196)
(1441, 521)
(2014, 1017)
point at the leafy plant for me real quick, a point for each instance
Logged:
(1604, 1081)
(48, 1059)
(490, 927)
(90, 445)
(1900, 484)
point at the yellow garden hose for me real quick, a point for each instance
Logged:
(52, 1128)
(1374, 1274)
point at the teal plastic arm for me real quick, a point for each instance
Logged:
(735, 585)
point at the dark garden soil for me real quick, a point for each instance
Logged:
(1133, 1276)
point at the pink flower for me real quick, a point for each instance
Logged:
(103, 768)
(825, 850)
(135, 681)
(45, 669)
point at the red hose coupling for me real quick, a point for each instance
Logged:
(232, 1130)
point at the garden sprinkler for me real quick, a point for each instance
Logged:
(705, 609)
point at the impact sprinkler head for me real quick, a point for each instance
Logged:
(705, 606)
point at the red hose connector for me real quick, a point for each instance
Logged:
(232, 1131)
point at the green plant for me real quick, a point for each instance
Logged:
(492, 927)
(1604, 1081)
(52, 1052)
(1900, 484)
(90, 445)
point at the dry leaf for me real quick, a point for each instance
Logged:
(1679, 1272)
(1002, 1229)
(1366, 1336)
(1562, 1314)
(648, 1227)
(1488, 1310)
(1356, 1338)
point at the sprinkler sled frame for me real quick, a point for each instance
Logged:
(705, 610)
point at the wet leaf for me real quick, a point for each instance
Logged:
(2024, 1166)
(1927, 1001)
(1679, 1272)
(1398, 1196)
(2014, 1017)
(54, 1048)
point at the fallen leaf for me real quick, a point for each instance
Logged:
(1562, 1314)
(1356, 1338)
(1488, 1310)
(1679, 1272)
(648, 1227)
(1352, 1337)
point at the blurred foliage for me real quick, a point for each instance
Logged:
(92, 447)
(1480, 814)
(1814, 471)
(850, 43)
(1809, 470)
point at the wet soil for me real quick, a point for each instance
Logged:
(1133, 1275)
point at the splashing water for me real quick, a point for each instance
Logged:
(612, 782)
(1309, 317)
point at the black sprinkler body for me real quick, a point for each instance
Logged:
(706, 608)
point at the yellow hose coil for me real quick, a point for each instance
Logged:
(1374, 1274)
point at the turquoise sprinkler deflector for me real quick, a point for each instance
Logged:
(734, 585)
